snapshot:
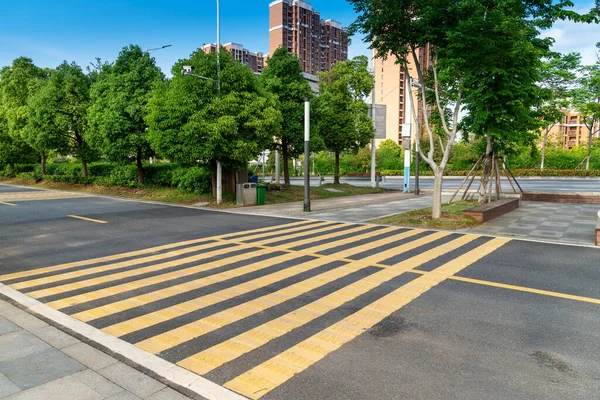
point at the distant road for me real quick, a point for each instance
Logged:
(577, 185)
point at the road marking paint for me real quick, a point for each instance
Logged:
(265, 377)
(177, 310)
(8, 204)
(527, 289)
(98, 221)
(298, 230)
(109, 267)
(125, 274)
(115, 257)
(170, 291)
(211, 358)
(39, 195)
(315, 238)
(270, 229)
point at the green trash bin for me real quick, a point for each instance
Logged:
(261, 191)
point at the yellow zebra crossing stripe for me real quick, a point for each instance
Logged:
(192, 330)
(156, 317)
(280, 232)
(60, 267)
(8, 204)
(265, 377)
(231, 349)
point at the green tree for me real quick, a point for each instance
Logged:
(342, 115)
(58, 114)
(119, 104)
(558, 74)
(283, 78)
(18, 83)
(13, 150)
(191, 122)
(390, 156)
(586, 101)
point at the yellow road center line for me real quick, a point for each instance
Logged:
(211, 358)
(527, 289)
(115, 257)
(8, 204)
(265, 377)
(98, 221)
(170, 291)
(125, 274)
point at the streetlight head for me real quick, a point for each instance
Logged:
(188, 69)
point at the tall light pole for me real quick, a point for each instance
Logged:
(157, 48)
(406, 134)
(306, 154)
(373, 151)
(219, 170)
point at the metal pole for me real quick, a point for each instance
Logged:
(219, 169)
(417, 158)
(277, 181)
(407, 135)
(306, 155)
(373, 150)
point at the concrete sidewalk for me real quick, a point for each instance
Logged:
(555, 222)
(352, 209)
(40, 362)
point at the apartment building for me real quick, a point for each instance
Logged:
(256, 61)
(572, 131)
(318, 43)
(391, 92)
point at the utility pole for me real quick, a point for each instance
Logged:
(219, 169)
(373, 150)
(306, 155)
(406, 135)
(277, 180)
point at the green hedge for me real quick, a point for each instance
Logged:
(196, 180)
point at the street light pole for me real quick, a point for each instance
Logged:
(306, 155)
(373, 151)
(219, 169)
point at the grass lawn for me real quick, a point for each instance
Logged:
(452, 218)
(296, 193)
(178, 196)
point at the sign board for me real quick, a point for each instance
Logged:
(380, 125)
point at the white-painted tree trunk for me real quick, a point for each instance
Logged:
(437, 193)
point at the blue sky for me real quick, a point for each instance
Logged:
(51, 31)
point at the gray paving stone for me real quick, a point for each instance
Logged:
(19, 344)
(55, 337)
(132, 380)
(89, 356)
(550, 228)
(167, 394)
(7, 387)
(522, 226)
(515, 231)
(555, 224)
(66, 388)
(6, 326)
(25, 320)
(7, 308)
(124, 395)
(99, 383)
(39, 368)
(545, 234)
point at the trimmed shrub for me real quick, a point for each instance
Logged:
(194, 180)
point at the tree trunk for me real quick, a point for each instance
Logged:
(336, 172)
(590, 136)
(436, 212)
(544, 141)
(487, 169)
(43, 159)
(84, 169)
(140, 169)
(11, 168)
(286, 168)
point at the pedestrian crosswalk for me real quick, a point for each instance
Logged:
(209, 303)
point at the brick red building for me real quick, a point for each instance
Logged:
(256, 61)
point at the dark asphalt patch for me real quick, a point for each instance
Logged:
(443, 259)
(419, 250)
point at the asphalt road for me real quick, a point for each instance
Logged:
(570, 185)
(281, 309)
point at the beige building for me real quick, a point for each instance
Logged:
(391, 92)
(296, 26)
(256, 61)
(572, 131)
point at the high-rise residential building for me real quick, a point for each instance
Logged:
(256, 61)
(391, 92)
(319, 43)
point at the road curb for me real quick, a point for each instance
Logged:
(158, 368)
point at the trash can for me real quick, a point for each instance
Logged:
(245, 194)
(261, 191)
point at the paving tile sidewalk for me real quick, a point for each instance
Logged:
(557, 222)
(40, 362)
(349, 209)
